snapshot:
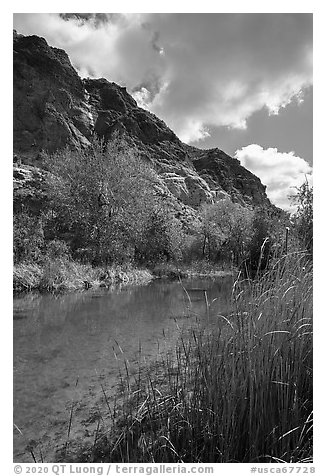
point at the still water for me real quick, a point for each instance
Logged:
(67, 347)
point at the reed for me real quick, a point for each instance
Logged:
(237, 389)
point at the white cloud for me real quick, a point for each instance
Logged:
(119, 49)
(201, 70)
(281, 172)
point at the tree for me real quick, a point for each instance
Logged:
(261, 241)
(101, 198)
(302, 219)
(163, 237)
(226, 229)
(28, 237)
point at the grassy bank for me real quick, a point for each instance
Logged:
(238, 389)
(195, 269)
(65, 275)
(62, 274)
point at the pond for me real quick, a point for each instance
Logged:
(68, 348)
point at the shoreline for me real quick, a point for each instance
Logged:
(63, 275)
(189, 401)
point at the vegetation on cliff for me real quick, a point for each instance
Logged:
(103, 208)
(139, 198)
(54, 108)
(97, 211)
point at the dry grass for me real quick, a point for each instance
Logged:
(65, 275)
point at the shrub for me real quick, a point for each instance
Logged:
(226, 231)
(162, 238)
(302, 219)
(28, 237)
(56, 249)
(101, 198)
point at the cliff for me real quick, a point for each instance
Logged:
(54, 108)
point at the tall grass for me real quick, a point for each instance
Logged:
(54, 274)
(238, 389)
(62, 274)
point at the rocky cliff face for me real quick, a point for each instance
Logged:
(54, 108)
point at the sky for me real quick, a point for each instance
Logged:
(241, 82)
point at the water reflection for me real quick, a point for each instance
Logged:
(83, 338)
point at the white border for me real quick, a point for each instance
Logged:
(319, 178)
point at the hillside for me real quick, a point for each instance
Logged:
(55, 108)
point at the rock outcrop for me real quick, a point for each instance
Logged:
(55, 108)
(29, 187)
(50, 110)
